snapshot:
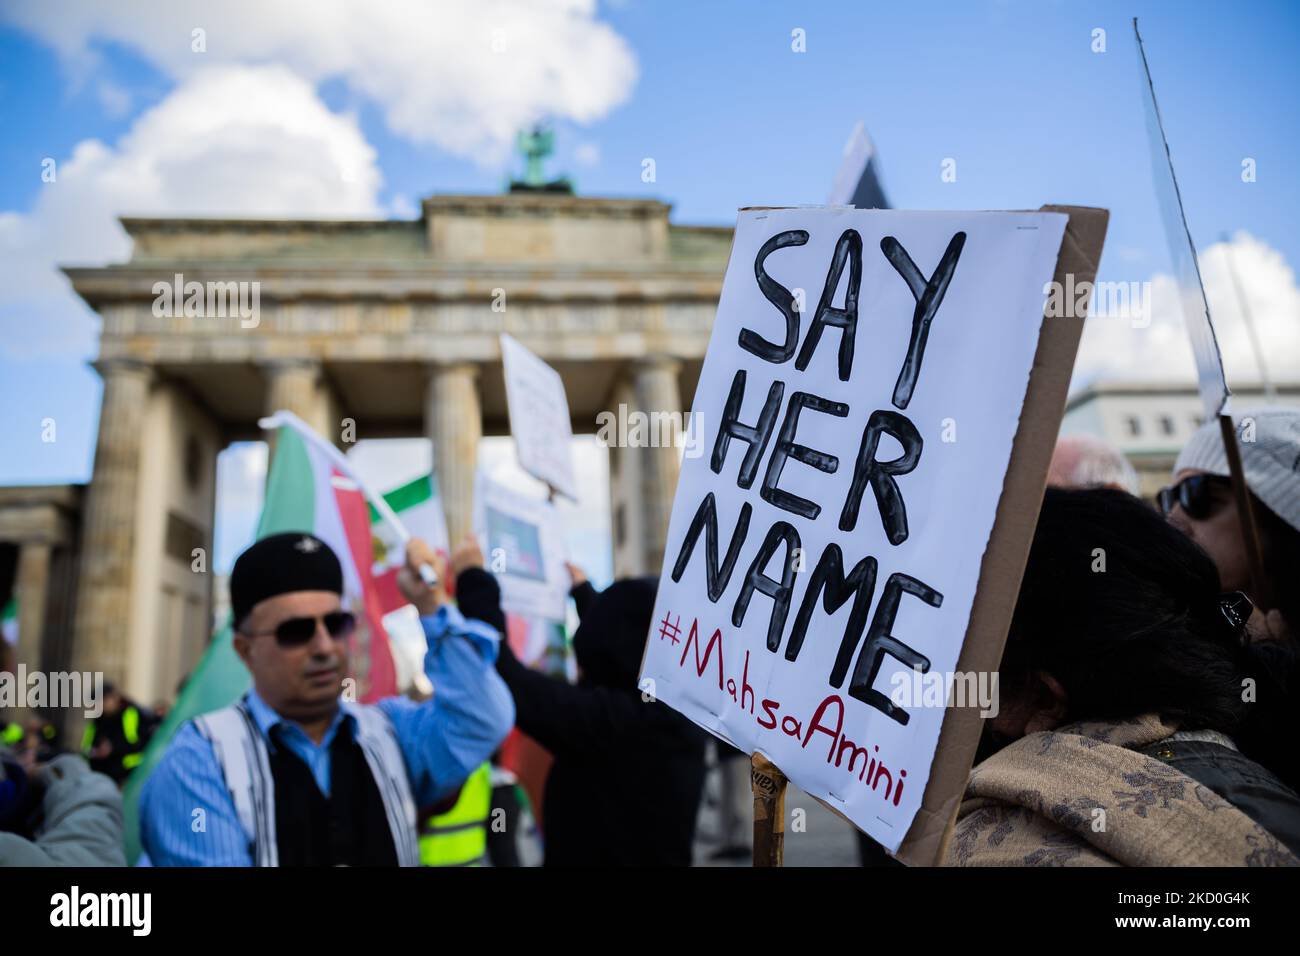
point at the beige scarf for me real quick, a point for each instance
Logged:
(1082, 795)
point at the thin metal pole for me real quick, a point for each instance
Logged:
(1243, 304)
(1245, 515)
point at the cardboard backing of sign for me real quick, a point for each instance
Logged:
(1003, 564)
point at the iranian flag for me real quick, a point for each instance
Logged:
(419, 509)
(310, 488)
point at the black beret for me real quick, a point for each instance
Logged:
(281, 564)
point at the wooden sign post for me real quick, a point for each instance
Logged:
(768, 784)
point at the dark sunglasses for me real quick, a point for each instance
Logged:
(297, 631)
(1195, 494)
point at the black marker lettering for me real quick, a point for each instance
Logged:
(848, 248)
(706, 520)
(828, 579)
(756, 437)
(881, 474)
(786, 448)
(928, 297)
(881, 642)
(779, 296)
(779, 591)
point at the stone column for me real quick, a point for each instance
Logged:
(33, 597)
(103, 620)
(294, 385)
(453, 419)
(625, 487)
(655, 380)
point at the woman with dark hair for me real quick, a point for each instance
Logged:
(1123, 690)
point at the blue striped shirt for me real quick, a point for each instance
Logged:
(442, 740)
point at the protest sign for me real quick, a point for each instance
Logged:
(868, 376)
(523, 544)
(539, 418)
(1194, 305)
(857, 181)
(1192, 301)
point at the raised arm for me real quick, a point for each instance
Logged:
(445, 738)
(561, 717)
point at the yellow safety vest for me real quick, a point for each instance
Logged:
(459, 836)
(130, 730)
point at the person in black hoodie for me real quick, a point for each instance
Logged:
(628, 775)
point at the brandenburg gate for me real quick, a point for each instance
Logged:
(389, 328)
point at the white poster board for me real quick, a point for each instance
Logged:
(1192, 302)
(523, 545)
(539, 417)
(858, 404)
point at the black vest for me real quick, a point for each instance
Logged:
(347, 828)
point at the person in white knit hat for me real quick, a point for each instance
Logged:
(1200, 502)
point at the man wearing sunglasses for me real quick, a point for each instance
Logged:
(296, 773)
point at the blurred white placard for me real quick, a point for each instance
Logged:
(523, 545)
(539, 417)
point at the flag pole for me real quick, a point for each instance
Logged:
(1245, 514)
(1245, 510)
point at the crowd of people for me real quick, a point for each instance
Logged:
(1146, 707)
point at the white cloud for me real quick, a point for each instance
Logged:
(465, 75)
(228, 141)
(1118, 348)
(115, 99)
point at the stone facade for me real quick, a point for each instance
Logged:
(391, 326)
(39, 536)
(1151, 422)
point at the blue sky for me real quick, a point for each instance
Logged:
(732, 116)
